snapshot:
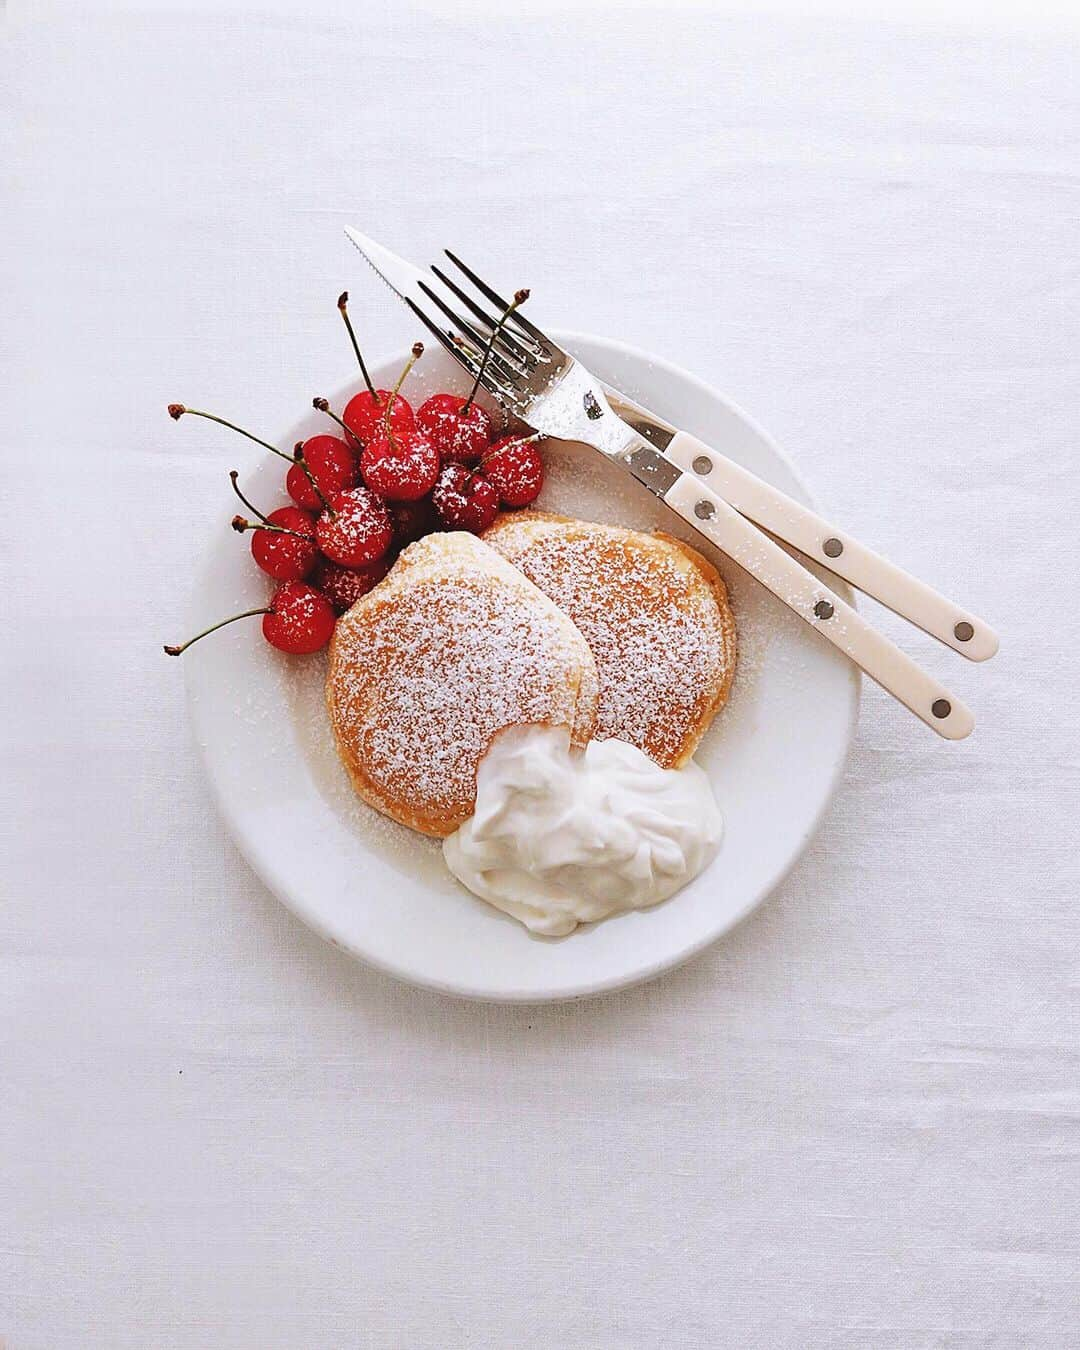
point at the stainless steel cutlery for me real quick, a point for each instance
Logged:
(549, 390)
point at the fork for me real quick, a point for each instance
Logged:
(550, 391)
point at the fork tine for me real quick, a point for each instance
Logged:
(513, 373)
(458, 353)
(477, 312)
(497, 299)
(464, 358)
(463, 325)
(519, 346)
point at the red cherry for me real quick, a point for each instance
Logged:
(402, 467)
(516, 469)
(343, 586)
(356, 530)
(412, 520)
(367, 409)
(300, 619)
(364, 416)
(284, 543)
(464, 500)
(374, 410)
(284, 547)
(330, 462)
(460, 433)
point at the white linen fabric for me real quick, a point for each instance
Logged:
(853, 1123)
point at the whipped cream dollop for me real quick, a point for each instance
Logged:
(561, 837)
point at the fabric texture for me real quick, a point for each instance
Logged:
(853, 1123)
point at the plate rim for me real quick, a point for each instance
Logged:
(247, 841)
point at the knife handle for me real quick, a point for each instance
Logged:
(821, 608)
(839, 552)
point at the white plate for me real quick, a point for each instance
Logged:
(381, 892)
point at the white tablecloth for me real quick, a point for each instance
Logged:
(855, 1122)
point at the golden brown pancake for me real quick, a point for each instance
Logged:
(453, 646)
(655, 614)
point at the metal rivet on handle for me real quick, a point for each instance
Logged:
(832, 548)
(824, 610)
(703, 465)
(964, 632)
(941, 707)
(704, 510)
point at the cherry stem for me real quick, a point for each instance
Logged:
(298, 458)
(247, 614)
(519, 299)
(177, 410)
(233, 476)
(321, 405)
(343, 306)
(240, 525)
(414, 356)
(211, 417)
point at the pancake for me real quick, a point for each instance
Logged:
(655, 614)
(453, 646)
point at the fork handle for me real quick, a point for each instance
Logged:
(817, 539)
(821, 608)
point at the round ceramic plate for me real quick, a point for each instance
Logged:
(381, 892)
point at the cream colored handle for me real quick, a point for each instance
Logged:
(817, 539)
(823, 609)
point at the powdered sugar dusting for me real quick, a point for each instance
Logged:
(358, 531)
(581, 483)
(279, 705)
(426, 669)
(661, 634)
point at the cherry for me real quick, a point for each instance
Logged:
(465, 500)
(284, 547)
(356, 529)
(412, 520)
(460, 437)
(403, 469)
(284, 544)
(364, 414)
(325, 466)
(343, 586)
(514, 466)
(401, 465)
(298, 620)
(364, 411)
